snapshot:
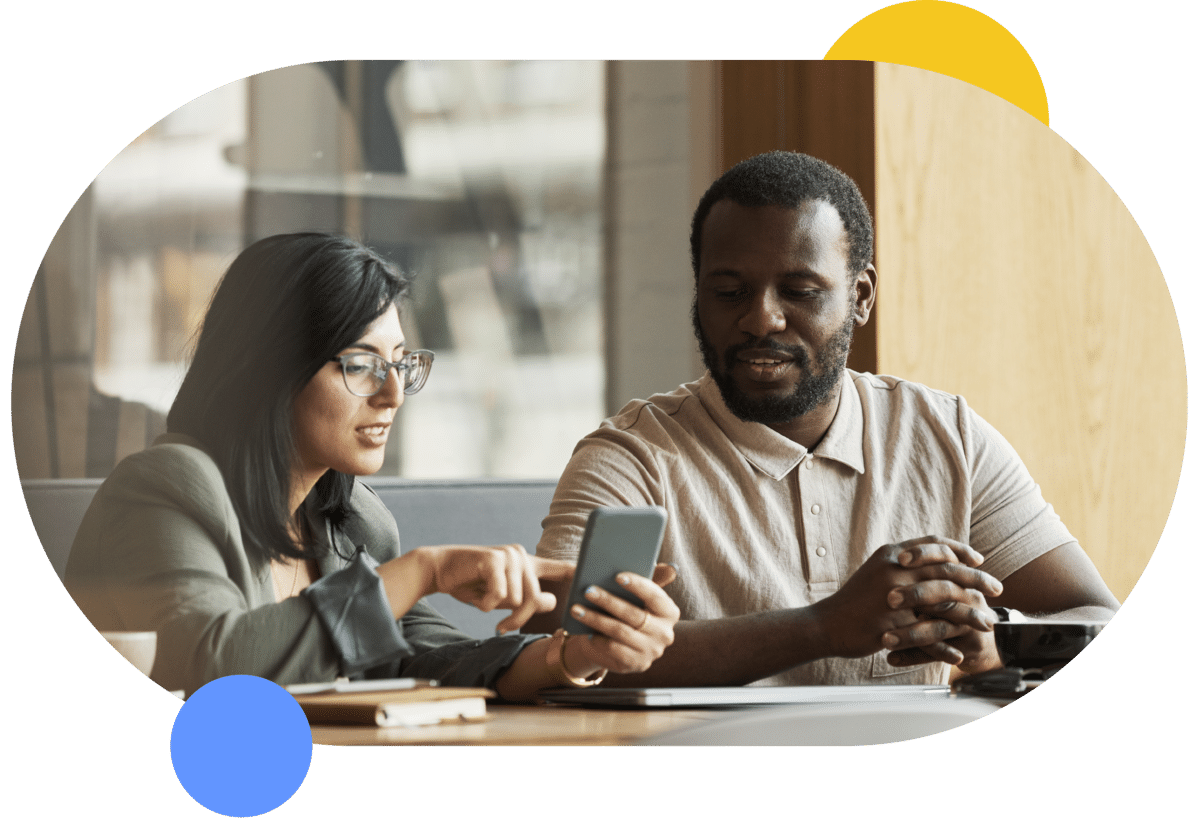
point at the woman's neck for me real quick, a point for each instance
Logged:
(301, 486)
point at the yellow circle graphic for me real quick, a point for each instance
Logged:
(949, 39)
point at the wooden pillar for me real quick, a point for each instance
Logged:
(824, 108)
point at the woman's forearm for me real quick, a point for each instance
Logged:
(538, 666)
(406, 579)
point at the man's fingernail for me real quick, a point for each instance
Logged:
(895, 599)
(623, 579)
(577, 610)
(904, 558)
(890, 640)
(592, 592)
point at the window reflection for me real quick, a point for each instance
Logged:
(482, 178)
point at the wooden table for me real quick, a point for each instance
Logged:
(526, 725)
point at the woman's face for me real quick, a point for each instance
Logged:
(336, 429)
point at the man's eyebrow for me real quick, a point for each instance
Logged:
(798, 274)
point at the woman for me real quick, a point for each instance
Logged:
(244, 540)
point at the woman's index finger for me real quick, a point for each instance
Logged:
(554, 569)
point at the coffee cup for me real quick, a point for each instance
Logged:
(1041, 643)
(136, 646)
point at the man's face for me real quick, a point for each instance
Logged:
(775, 309)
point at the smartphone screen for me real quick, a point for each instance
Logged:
(616, 540)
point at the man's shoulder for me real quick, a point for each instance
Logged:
(887, 395)
(657, 410)
(661, 422)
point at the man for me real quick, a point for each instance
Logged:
(827, 527)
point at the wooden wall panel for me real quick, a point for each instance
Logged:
(1014, 276)
(752, 109)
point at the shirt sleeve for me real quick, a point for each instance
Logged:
(434, 647)
(442, 652)
(1011, 524)
(353, 607)
(608, 468)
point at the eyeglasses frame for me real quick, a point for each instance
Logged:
(406, 363)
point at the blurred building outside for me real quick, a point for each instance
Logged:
(485, 180)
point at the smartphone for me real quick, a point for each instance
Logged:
(616, 540)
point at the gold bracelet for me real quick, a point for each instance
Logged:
(574, 681)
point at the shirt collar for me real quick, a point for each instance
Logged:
(843, 440)
(775, 455)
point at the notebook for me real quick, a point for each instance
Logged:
(740, 697)
(390, 703)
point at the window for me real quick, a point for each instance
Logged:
(483, 179)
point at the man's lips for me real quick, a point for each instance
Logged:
(763, 364)
(765, 370)
(763, 357)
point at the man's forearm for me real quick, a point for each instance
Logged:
(734, 650)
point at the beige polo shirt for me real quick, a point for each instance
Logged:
(758, 523)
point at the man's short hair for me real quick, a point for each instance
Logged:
(787, 178)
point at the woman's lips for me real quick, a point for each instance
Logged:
(374, 435)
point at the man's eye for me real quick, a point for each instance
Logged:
(730, 294)
(802, 294)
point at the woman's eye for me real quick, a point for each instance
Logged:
(354, 369)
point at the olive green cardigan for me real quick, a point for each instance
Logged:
(160, 549)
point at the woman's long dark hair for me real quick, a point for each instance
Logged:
(286, 305)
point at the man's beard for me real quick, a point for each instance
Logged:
(814, 388)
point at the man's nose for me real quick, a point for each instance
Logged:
(763, 316)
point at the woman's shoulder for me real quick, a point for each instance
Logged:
(371, 522)
(176, 469)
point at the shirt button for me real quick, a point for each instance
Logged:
(815, 509)
(808, 463)
(820, 551)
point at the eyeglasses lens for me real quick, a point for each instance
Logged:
(417, 372)
(364, 374)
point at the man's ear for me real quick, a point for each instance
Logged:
(865, 288)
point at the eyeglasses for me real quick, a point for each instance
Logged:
(366, 374)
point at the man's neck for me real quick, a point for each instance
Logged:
(809, 429)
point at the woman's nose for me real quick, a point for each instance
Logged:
(391, 395)
(764, 316)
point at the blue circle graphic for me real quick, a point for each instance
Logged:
(241, 746)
